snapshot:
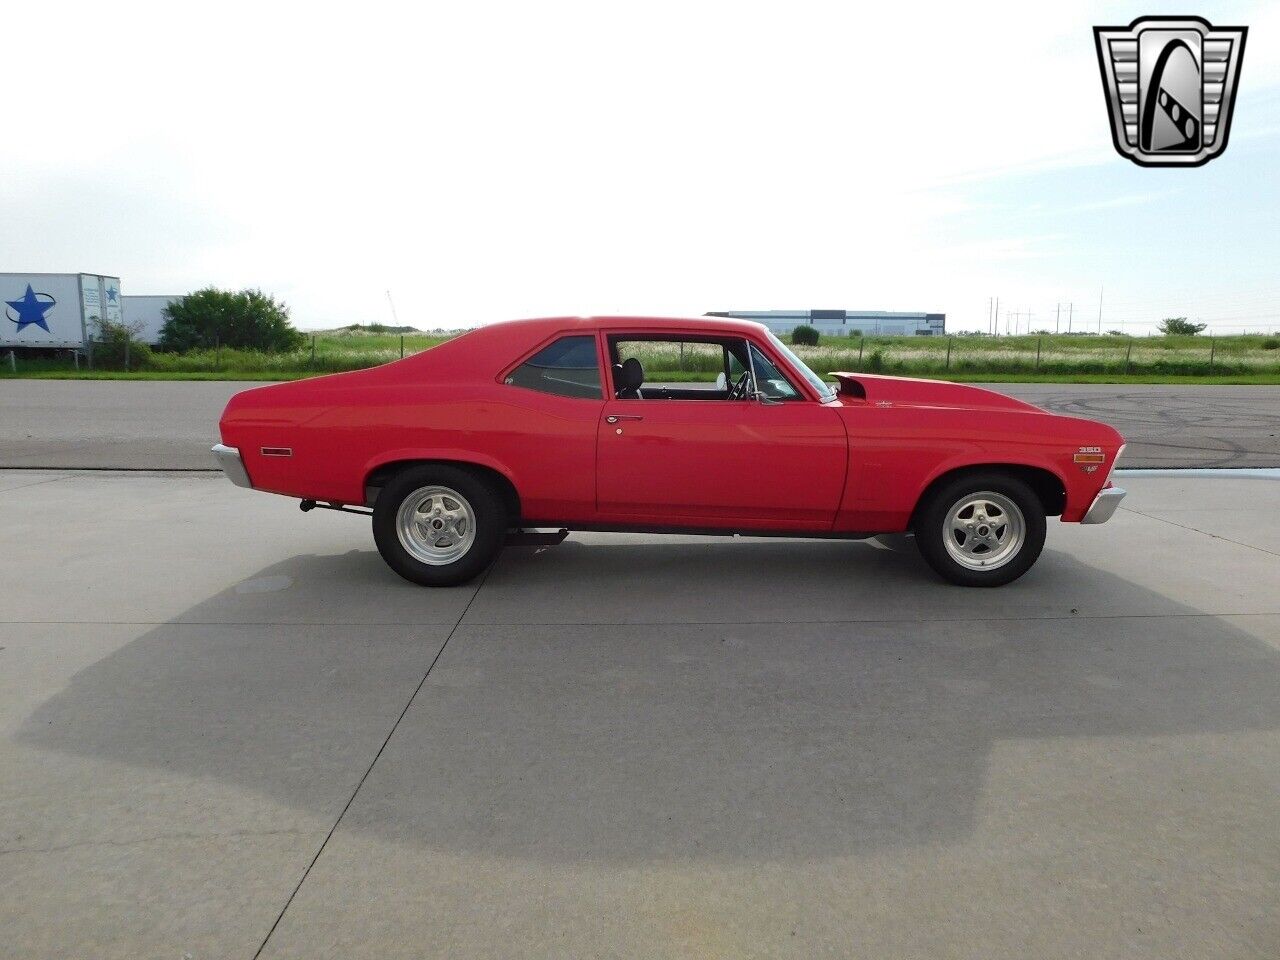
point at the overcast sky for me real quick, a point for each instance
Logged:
(490, 161)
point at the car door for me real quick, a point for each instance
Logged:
(678, 462)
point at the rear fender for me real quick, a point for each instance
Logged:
(450, 454)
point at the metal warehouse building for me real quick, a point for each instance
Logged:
(843, 323)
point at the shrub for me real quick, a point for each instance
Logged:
(113, 342)
(249, 319)
(875, 362)
(805, 335)
(1271, 343)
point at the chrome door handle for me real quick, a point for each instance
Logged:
(615, 419)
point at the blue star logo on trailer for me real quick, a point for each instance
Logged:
(111, 294)
(31, 309)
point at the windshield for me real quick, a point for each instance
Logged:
(824, 389)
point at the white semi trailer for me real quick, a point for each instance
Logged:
(145, 315)
(56, 310)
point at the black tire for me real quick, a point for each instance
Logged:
(932, 529)
(473, 491)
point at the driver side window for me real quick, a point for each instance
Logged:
(668, 368)
(673, 367)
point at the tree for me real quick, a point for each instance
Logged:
(805, 335)
(1180, 327)
(248, 319)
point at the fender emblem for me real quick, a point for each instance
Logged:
(1089, 458)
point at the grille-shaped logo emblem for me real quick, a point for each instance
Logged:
(1170, 84)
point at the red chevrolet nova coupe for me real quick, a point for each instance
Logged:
(553, 424)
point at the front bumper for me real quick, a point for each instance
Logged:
(229, 460)
(1104, 505)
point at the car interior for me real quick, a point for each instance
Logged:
(704, 369)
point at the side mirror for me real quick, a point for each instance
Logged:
(764, 398)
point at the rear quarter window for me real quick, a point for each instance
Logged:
(569, 367)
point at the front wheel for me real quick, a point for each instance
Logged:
(438, 526)
(981, 530)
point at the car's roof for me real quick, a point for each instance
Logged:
(719, 325)
(484, 352)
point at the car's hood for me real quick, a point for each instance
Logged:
(908, 391)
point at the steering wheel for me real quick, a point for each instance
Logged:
(739, 390)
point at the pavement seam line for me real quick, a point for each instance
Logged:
(641, 623)
(391, 733)
(158, 838)
(35, 483)
(1206, 533)
(66, 469)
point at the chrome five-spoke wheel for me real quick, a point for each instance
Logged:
(439, 524)
(981, 529)
(984, 530)
(436, 525)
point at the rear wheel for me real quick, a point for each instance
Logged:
(981, 530)
(438, 525)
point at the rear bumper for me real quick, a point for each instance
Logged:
(1104, 505)
(229, 460)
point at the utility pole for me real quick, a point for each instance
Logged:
(1100, 290)
(990, 301)
(1071, 307)
(1057, 320)
(1029, 315)
(995, 330)
(394, 318)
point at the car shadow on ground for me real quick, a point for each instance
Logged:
(760, 736)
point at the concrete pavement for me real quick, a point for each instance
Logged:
(632, 746)
(170, 425)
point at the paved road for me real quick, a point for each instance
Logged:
(159, 425)
(170, 425)
(632, 746)
(1174, 426)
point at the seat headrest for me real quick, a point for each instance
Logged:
(630, 374)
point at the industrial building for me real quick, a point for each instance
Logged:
(845, 323)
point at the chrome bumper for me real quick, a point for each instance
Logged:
(229, 460)
(1104, 505)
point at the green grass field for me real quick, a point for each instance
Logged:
(1046, 359)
